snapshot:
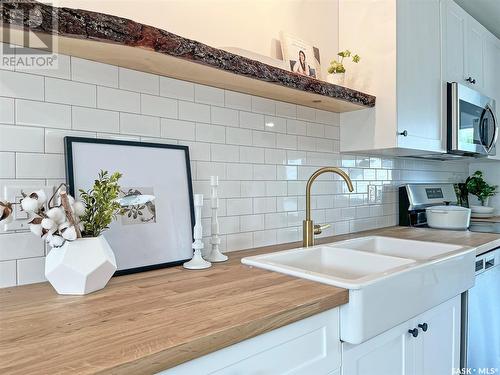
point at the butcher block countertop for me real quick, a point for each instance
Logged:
(147, 322)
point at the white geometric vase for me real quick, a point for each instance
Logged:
(81, 266)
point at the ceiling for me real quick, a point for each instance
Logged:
(487, 12)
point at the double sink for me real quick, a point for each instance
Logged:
(390, 280)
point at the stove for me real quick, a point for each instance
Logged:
(415, 198)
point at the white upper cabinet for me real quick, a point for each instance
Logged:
(463, 47)
(409, 50)
(400, 47)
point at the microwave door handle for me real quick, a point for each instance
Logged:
(489, 147)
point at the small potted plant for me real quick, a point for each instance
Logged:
(81, 260)
(337, 69)
(479, 188)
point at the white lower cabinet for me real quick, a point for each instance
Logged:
(309, 346)
(313, 346)
(434, 351)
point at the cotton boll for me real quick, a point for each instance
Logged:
(29, 204)
(36, 229)
(5, 212)
(78, 208)
(49, 225)
(69, 233)
(42, 197)
(57, 214)
(55, 241)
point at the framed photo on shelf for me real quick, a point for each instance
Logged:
(153, 235)
(301, 57)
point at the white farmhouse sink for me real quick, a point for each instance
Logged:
(389, 280)
(418, 250)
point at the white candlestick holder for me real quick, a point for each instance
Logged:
(197, 262)
(215, 254)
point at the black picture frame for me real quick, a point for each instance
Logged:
(70, 179)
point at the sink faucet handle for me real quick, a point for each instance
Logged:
(318, 228)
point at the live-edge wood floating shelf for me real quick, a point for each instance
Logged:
(123, 42)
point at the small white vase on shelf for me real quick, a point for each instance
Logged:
(336, 79)
(81, 266)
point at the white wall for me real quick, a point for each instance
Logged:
(263, 170)
(249, 24)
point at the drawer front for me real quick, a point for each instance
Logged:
(309, 346)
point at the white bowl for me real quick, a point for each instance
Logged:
(482, 209)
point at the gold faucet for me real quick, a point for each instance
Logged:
(308, 228)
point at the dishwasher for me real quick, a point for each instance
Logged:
(480, 344)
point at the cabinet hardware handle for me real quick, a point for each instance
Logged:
(413, 332)
(471, 80)
(424, 327)
(404, 133)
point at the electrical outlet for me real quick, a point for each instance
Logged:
(372, 194)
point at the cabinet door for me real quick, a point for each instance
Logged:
(438, 348)
(474, 52)
(390, 353)
(418, 72)
(454, 33)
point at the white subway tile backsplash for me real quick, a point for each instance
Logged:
(225, 116)
(275, 124)
(54, 139)
(91, 119)
(262, 150)
(158, 106)
(177, 129)
(237, 136)
(250, 120)
(263, 105)
(263, 139)
(239, 241)
(286, 109)
(239, 171)
(39, 165)
(174, 88)
(20, 138)
(210, 133)
(296, 127)
(239, 206)
(264, 205)
(134, 80)
(237, 100)
(251, 154)
(50, 115)
(20, 245)
(93, 72)
(225, 153)
(68, 92)
(31, 270)
(194, 112)
(139, 125)
(6, 111)
(285, 141)
(250, 223)
(208, 95)
(264, 172)
(118, 100)
(21, 85)
(8, 274)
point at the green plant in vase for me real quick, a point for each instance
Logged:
(337, 66)
(478, 187)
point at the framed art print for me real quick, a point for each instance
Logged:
(147, 236)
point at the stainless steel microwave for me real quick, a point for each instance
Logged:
(472, 126)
